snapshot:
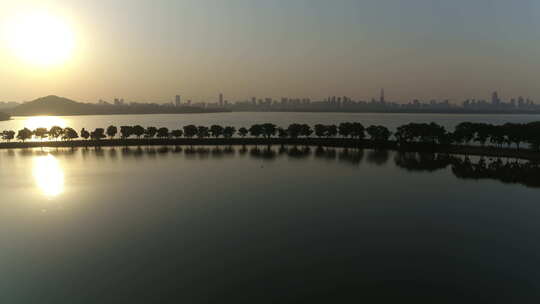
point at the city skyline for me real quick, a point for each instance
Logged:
(421, 49)
(221, 99)
(344, 104)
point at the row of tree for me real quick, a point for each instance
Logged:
(465, 133)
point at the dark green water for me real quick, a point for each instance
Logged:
(209, 225)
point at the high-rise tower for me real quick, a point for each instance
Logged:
(495, 100)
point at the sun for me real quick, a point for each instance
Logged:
(41, 39)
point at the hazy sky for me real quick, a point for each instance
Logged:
(152, 50)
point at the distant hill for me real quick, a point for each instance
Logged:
(60, 106)
(50, 105)
(4, 116)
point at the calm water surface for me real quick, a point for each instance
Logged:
(244, 119)
(220, 225)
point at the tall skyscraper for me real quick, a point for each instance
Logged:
(521, 102)
(495, 98)
(381, 99)
(221, 99)
(178, 100)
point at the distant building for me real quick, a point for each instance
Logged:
(178, 100)
(495, 100)
(118, 101)
(221, 99)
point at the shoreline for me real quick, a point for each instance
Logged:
(525, 154)
(287, 111)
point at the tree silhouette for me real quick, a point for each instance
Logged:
(465, 132)
(126, 131)
(69, 134)
(430, 133)
(243, 132)
(282, 133)
(85, 134)
(423, 132)
(294, 130)
(8, 135)
(482, 133)
(177, 133)
(268, 130)
(229, 132)
(256, 130)
(357, 130)
(331, 131)
(24, 134)
(378, 133)
(112, 131)
(321, 130)
(56, 132)
(446, 138)
(345, 129)
(138, 131)
(203, 132)
(305, 130)
(163, 133)
(98, 134)
(515, 133)
(41, 133)
(497, 135)
(150, 132)
(406, 133)
(532, 135)
(216, 131)
(190, 131)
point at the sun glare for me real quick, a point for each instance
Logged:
(47, 122)
(48, 175)
(41, 39)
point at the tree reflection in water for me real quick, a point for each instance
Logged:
(507, 171)
(463, 167)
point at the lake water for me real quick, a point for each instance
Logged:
(246, 119)
(259, 225)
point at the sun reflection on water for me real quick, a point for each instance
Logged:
(48, 175)
(47, 122)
